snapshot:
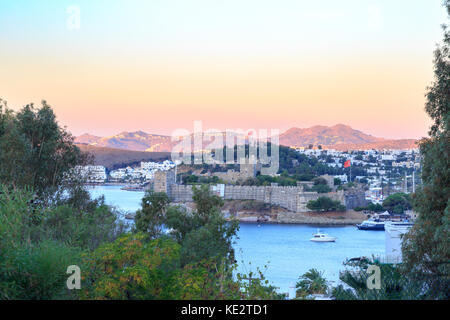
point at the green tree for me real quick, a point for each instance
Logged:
(325, 204)
(35, 151)
(204, 233)
(375, 207)
(311, 282)
(131, 268)
(397, 203)
(394, 286)
(150, 218)
(32, 266)
(426, 248)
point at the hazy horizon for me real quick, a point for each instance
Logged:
(158, 66)
(205, 129)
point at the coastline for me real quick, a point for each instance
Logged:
(306, 218)
(272, 216)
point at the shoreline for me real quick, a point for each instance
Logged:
(305, 218)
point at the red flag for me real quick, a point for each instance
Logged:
(347, 164)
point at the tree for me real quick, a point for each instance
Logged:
(150, 218)
(375, 207)
(35, 151)
(426, 248)
(311, 282)
(394, 286)
(32, 266)
(397, 203)
(131, 268)
(203, 233)
(325, 204)
(321, 188)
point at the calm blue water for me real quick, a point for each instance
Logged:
(284, 249)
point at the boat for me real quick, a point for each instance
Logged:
(371, 224)
(132, 188)
(322, 237)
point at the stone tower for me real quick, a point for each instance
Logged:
(163, 180)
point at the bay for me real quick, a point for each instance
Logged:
(282, 252)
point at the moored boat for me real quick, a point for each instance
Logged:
(322, 237)
(371, 224)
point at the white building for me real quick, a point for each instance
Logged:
(387, 157)
(342, 177)
(92, 174)
(394, 232)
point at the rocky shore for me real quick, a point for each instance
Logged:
(315, 218)
(283, 216)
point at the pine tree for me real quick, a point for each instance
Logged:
(426, 248)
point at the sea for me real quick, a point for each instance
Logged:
(283, 252)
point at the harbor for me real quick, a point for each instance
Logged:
(264, 246)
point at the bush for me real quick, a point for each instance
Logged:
(325, 204)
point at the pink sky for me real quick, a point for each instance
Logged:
(260, 65)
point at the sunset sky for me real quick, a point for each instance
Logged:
(159, 65)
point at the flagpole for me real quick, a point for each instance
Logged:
(350, 172)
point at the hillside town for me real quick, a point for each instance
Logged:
(378, 174)
(98, 174)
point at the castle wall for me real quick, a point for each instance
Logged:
(353, 200)
(292, 198)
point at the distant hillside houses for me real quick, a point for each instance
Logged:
(91, 174)
(144, 173)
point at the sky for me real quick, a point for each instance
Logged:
(112, 66)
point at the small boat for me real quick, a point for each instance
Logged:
(371, 224)
(322, 237)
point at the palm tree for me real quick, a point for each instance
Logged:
(311, 282)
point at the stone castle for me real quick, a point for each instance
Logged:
(292, 198)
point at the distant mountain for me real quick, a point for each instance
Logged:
(87, 139)
(340, 137)
(142, 141)
(325, 136)
(137, 141)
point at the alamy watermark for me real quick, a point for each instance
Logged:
(74, 280)
(374, 279)
(73, 21)
(232, 146)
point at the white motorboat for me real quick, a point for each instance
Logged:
(322, 237)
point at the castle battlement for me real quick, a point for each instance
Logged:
(293, 198)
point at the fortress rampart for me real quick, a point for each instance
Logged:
(292, 198)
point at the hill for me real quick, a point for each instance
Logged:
(137, 141)
(379, 145)
(325, 136)
(117, 158)
(340, 137)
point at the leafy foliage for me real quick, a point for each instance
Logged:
(397, 203)
(150, 217)
(325, 204)
(311, 282)
(394, 286)
(203, 233)
(426, 248)
(131, 268)
(35, 151)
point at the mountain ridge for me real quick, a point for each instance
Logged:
(339, 136)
